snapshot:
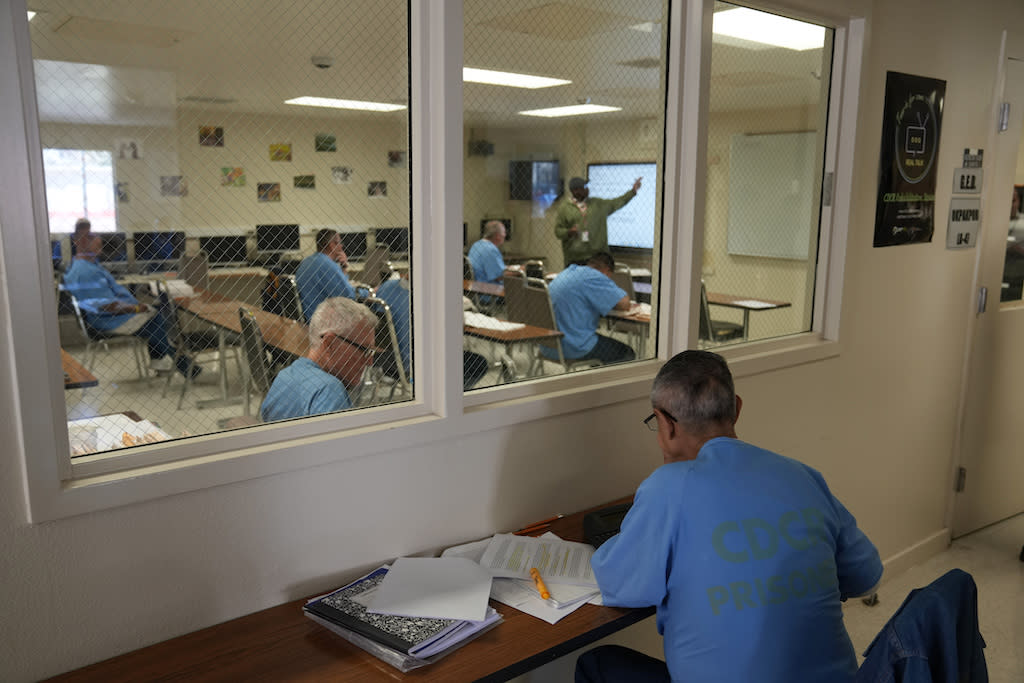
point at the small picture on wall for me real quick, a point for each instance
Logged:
(341, 175)
(377, 188)
(305, 182)
(281, 151)
(173, 186)
(232, 176)
(211, 136)
(268, 192)
(128, 148)
(397, 158)
(122, 192)
(325, 142)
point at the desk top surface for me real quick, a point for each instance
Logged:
(281, 644)
(749, 302)
(75, 374)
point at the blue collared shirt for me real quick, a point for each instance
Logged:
(580, 295)
(488, 265)
(319, 278)
(94, 287)
(303, 388)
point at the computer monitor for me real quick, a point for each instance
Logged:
(395, 239)
(155, 250)
(113, 248)
(277, 239)
(354, 244)
(224, 250)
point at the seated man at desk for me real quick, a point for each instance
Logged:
(322, 275)
(745, 553)
(485, 255)
(395, 293)
(341, 346)
(580, 295)
(110, 308)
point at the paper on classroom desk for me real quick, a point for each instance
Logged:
(433, 587)
(753, 303)
(175, 289)
(523, 596)
(486, 322)
(558, 561)
(641, 308)
(474, 550)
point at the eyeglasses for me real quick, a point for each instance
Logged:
(651, 421)
(368, 350)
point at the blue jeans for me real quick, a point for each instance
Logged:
(614, 663)
(608, 350)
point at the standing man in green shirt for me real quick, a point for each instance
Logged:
(581, 223)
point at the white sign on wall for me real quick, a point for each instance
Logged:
(964, 221)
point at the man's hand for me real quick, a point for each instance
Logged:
(636, 185)
(119, 307)
(573, 231)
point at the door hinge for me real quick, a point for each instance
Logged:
(961, 479)
(982, 300)
(827, 185)
(1004, 116)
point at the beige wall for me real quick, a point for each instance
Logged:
(877, 420)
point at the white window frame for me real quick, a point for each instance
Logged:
(54, 487)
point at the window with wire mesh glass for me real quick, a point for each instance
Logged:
(242, 169)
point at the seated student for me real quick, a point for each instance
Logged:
(322, 275)
(745, 553)
(395, 293)
(110, 308)
(580, 295)
(341, 346)
(485, 256)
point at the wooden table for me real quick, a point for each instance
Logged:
(746, 304)
(280, 644)
(75, 374)
(478, 287)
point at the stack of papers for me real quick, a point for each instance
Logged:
(486, 322)
(108, 432)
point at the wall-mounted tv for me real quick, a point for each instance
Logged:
(158, 246)
(225, 250)
(277, 239)
(634, 224)
(537, 181)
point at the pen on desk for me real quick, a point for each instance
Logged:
(538, 525)
(541, 587)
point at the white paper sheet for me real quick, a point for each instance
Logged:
(473, 550)
(434, 587)
(558, 561)
(486, 322)
(753, 303)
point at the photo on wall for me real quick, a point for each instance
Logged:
(377, 188)
(173, 186)
(232, 176)
(281, 151)
(128, 148)
(397, 158)
(305, 182)
(341, 175)
(268, 192)
(122, 192)
(211, 136)
(325, 142)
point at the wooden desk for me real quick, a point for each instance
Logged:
(282, 333)
(478, 287)
(75, 374)
(280, 644)
(746, 304)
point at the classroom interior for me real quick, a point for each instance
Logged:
(880, 411)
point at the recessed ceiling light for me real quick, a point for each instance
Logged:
(31, 14)
(344, 104)
(767, 30)
(574, 110)
(512, 80)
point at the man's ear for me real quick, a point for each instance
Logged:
(739, 405)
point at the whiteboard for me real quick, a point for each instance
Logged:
(633, 224)
(772, 195)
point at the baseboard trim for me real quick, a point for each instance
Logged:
(917, 553)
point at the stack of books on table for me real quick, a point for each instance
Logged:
(402, 641)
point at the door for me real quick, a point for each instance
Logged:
(992, 439)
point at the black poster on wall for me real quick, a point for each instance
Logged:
(911, 124)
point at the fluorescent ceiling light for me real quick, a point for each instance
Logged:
(512, 80)
(574, 110)
(344, 104)
(31, 14)
(767, 29)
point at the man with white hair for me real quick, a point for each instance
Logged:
(341, 346)
(485, 254)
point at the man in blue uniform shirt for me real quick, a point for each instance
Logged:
(109, 308)
(322, 275)
(580, 295)
(485, 254)
(341, 335)
(746, 554)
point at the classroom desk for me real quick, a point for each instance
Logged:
(75, 374)
(280, 644)
(746, 304)
(528, 334)
(478, 287)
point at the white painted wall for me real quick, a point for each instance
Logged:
(877, 420)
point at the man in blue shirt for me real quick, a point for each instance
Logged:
(485, 254)
(322, 275)
(746, 554)
(341, 346)
(109, 308)
(580, 295)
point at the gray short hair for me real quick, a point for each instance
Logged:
(339, 315)
(491, 228)
(696, 388)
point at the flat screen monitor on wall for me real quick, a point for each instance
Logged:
(354, 244)
(277, 239)
(634, 224)
(395, 239)
(155, 247)
(224, 250)
(537, 181)
(114, 247)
